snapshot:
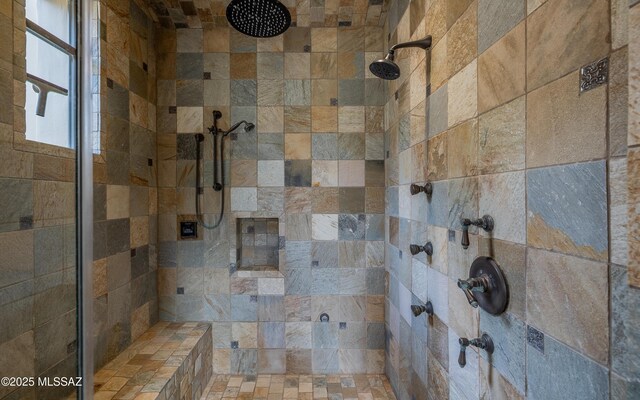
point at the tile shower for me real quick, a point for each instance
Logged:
(319, 217)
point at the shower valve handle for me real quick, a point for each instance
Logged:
(484, 342)
(486, 223)
(468, 286)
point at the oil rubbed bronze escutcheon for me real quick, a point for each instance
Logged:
(486, 286)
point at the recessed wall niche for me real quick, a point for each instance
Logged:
(257, 244)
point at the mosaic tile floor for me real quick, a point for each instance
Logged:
(300, 387)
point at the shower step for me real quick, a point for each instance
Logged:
(169, 361)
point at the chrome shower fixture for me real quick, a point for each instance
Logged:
(387, 69)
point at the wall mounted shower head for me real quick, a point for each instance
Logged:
(387, 69)
(248, 127)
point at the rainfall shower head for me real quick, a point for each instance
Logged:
(248, 127)
(259, 18)
(387, 69)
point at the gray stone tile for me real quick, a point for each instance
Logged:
(463, 202)
(244, 361)
(351, 200)
(437, 104)
(271, 308)
(189, 93)
(17, 318)
(560, 373)
(297, 173)
(244, 146)
(376, 281)
(297, 281)
(186, 147)
(496, 18)
(375, 92)
(437, 208)
(243, 308)
(271, 335)
(118, 101)
(271, 146)
(375, 227)
(324, 281)
(189, 66)
(375, 336)
(567, 209)
(217, 307)
(351, 226)
(325, 335)
(325, 361)
(353, 336)
(243, 92)
(351, 146)
(297, 92)
(48, 250)
(625, 325)
(117, 236)
(324, 146)
(324, 254)
(16, 198)
(298, 254)
(509, 337)
(351, 92)
(118, 270)
(352, 281)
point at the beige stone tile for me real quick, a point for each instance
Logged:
(324, 39)
(351, 119)
(246, 333)
(189, 119)
(634, 77)
(15, 164)
(439, 68)
(324, 119)
(464, 160)
(351, 173)
(533, 5)
(619, 23)
(502, 70)
(562, 36)
(493, 386)
(216, 39)
(463, 318)
(633, 227)
(297, 65)
(462, 39)
(324, 173)
(323, 90)
(435, 19)
(567, 298)
(437, 157)
(462, 102)
(139, 231)
(501, 144)
(326, 199)
(503, 197)
(324, 65)
(618, 102)
(565, 126)
(270, 119)
(117, 202)
(244, 173)
(297, 146)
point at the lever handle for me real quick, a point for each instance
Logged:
(484, 342)
(462, 356)
(486, 223)
(465, 237)
(470, 297)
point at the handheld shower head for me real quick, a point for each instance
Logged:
(387, 69)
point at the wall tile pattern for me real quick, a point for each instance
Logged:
(492, 115)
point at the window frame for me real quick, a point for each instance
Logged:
(70, 50)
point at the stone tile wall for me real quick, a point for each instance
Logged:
(37, 233)
(314, 163)
(494, 118)
(125, 180)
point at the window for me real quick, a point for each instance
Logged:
(51, 72)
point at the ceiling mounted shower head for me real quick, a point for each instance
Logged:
(259, 18)
(389, 70)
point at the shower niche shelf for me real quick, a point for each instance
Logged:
(257, 244)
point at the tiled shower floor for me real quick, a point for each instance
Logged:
(300, 387)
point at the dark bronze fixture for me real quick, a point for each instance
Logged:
(484, 342)
(419, 309)
(386, 68)
(486, 223)
(416, 248)
(427, 189)
(486, 286)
